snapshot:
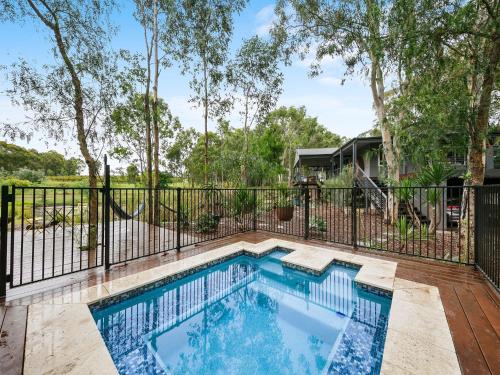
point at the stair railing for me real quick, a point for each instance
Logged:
(371, 190)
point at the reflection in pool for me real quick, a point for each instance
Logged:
(249, 316)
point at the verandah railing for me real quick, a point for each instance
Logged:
(49, 232)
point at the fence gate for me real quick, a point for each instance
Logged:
(487, 233)
(50, 232)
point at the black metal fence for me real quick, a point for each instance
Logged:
(487, 233)
(49, 232)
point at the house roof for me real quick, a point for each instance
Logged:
(313, 153)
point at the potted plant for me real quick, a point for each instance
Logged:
(284, 207)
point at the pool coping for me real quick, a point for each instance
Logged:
(418, 337)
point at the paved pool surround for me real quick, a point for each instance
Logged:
(62, 337)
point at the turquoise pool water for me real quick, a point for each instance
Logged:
(249, 316)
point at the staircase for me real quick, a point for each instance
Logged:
(378, 198)
(371, 190)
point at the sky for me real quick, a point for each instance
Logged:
(344, 109)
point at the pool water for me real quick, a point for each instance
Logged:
(249, 316)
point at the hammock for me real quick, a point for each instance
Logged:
(123, 214)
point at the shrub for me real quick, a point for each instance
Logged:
(332, 188)
(29, 174)
(16, 182)
(243, 201)
(317, 223)
(343, 180)
(207, 223)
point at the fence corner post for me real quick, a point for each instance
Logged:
(306, 213)
(254, 209)
(354, 219)
(4, 213)
(178, 226)
(107, 212)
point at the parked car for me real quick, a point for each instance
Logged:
(453, 211)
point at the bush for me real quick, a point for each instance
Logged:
(317, 223)
(29, 174)
(345, 180)
(243, 202)
(207, 223)
(16, 182)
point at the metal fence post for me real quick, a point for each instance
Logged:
(306, 214)
(3, 239)
(107, 209)
(178, 226)
(477, 227)
(254, 209)
(354, 219)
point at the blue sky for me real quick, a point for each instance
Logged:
(344, 109)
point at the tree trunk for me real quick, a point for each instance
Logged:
(245, 157)
(147, 120)
(477, 147)
(377, 87)
(205, 116)
(80, 131)
(156, 117)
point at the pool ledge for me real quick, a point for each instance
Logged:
(62, 337)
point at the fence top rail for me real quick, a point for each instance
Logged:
(496, 186)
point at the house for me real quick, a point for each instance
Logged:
(324, 163)
(321, 164)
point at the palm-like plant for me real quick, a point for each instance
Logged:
(431, 177)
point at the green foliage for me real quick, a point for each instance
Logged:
(207, 223)
(403, 227)
(129, 129)
(243, 201)
(317, 223)
(406, 190)
(13, 158)
(434, 174)
(15, 182)
(344, 180)
(165, 179)
(132, 173)
(29, 175)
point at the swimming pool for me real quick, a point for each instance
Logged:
(249, 316)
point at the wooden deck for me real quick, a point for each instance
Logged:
(471, 305)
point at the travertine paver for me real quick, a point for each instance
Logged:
(63, 339)
(418, 338)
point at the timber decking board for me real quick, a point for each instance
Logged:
(488, 305)
(472, 313)
(483, 331)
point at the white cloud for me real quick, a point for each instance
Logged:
(347, 117)
(264, 20)
(330, 81)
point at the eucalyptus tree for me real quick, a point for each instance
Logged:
(448, 54)
(147, 18)
(356, 31)
(205, 29)
(76, 90)
(127, 121)
(256, 81)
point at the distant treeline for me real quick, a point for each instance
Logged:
(14, 158)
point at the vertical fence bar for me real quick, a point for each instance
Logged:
(477, 227)
(107, 209)
(178, 225)
(354, 219)
(306, 213)
(3, 239)
(254, 224)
